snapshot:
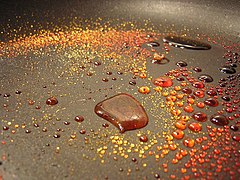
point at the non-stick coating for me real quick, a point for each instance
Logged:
(215, 15)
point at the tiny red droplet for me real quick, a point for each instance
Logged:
(163, 81)
(143, 138)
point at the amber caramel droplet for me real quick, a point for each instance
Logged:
(144, 90)
(143, 138)
(234, 127)
(97, 63)
(134, 159)
(198, 85)
(123, 111)
(206, 78)
(236, 138)
(195, 127)
(105, 125)
(199, 93)
(181, 64)
(188, 109)
(109, 73)
(163, 81)
(157, 176)
(5, 128)
(52, 101)
(133, 82)
(226, 98)
(31, 102)
(6, 95)
(211, 102)
(228, 70)
(180, 79)
(212, 93)
(56, 135)
(79, 118)
(200, 116)
(18, 92)
(66, 122)
(219, 120)
(190, 100)
(178, 134)
(89, 73)
(104, 79)
(83, 131)
(197, 69)
(188, 142)
(200, 104)
(143, 75)
(187, 90)
(181, 125)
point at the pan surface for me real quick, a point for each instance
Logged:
(59, 59)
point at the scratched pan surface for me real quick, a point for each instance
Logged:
(45, 142)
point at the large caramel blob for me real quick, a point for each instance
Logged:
(123, 111)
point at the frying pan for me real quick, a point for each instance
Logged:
(30, 152)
